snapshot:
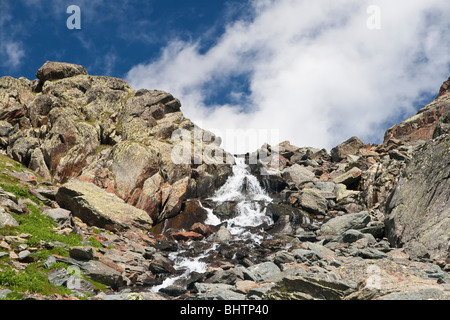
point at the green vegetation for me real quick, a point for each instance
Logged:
(20, 192)
(41, 228)
(33, 280)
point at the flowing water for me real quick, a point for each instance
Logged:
(245, 190)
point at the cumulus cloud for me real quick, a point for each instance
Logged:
(311, 72)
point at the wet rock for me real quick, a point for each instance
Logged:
(161, 264)
(226, 210)
(186, 236)
(223, 235)
(205, 230)
(281, 226)
(173, 290)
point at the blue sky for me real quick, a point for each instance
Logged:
(314, 72)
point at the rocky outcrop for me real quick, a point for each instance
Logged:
(423, 125)
(418, 211)
(134, 144)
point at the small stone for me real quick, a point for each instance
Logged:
(25, 256)
(50, 261)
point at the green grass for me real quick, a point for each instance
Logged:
(20, 192)
(41, 228)
(31, 280)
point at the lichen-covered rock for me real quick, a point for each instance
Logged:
(52, 70)
(349, 147)
(97, 207)
(418, 211)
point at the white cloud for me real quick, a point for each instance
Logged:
(14, 53)
(316, 73)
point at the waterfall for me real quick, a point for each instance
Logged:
(244, 189)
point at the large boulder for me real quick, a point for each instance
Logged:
(52, 70)
(349, 147)
(418, 211)
(338, 225)
(97, 207)
(298, 174)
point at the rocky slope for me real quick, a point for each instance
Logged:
(95, 205)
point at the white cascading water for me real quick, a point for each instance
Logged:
(244, 189)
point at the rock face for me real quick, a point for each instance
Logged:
(418, 212)
(134, 144)
(423, 125)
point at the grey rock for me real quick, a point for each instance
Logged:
(375, 228)
(298, 174)
(217, 291)
(304, 255)
(174, 290)
(349, 147)
(25, 256)
(265, 271)
(418, 210)
(370, 253)
(319, 287)
(424, 294)
(282, 257)
(58, 277)
(223, 235)
(49, 262)
(4, 293)
(61, 216)
(160, 264)
(222, 276)
(312, 201)
(81, 253)
(350, 236)
(350, 177)
(100, 272)
(338, 225)
(6, 219)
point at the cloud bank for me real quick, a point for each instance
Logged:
(311, 72)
